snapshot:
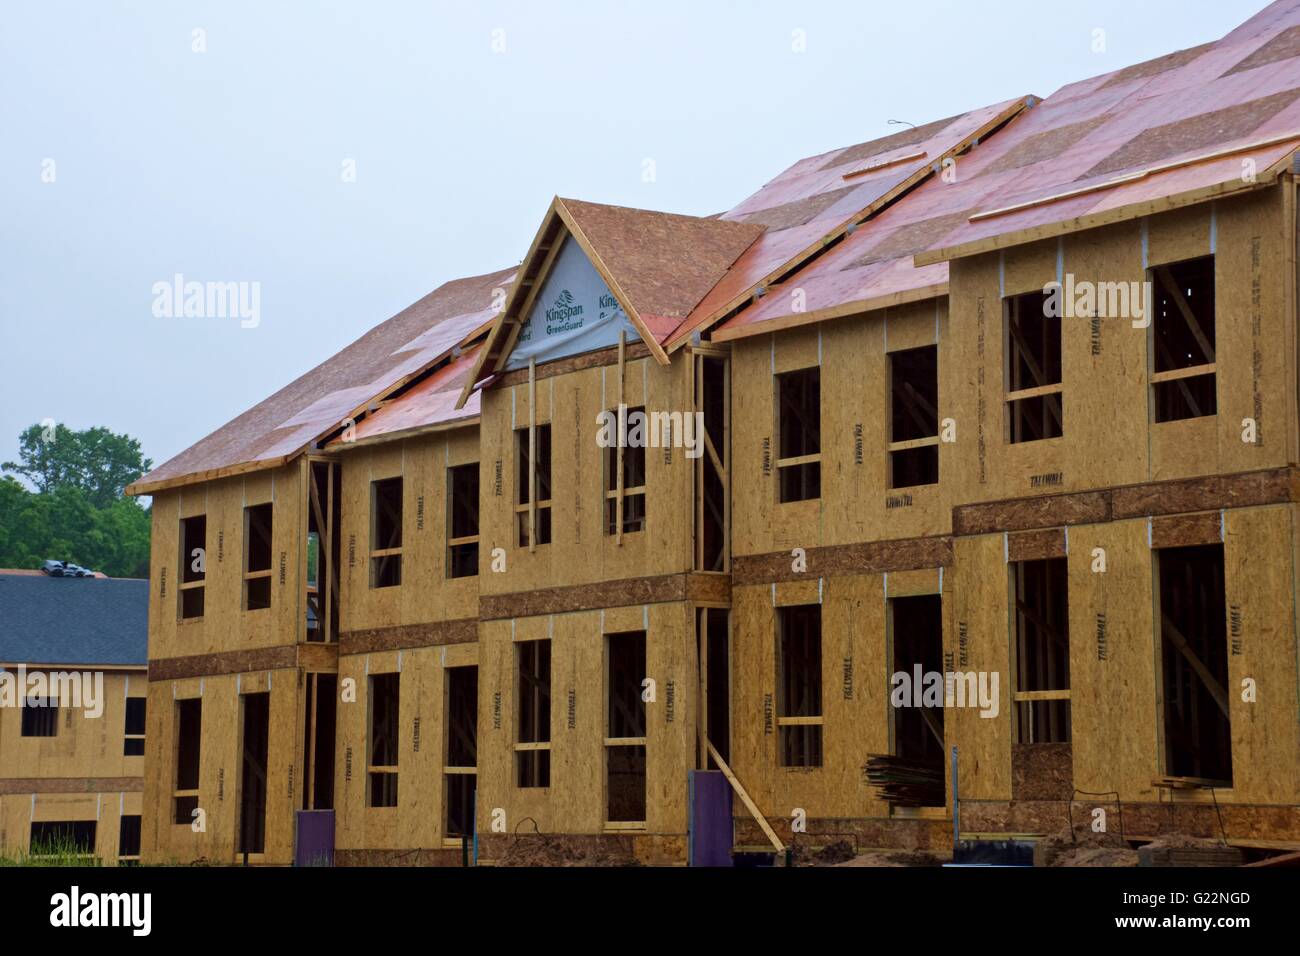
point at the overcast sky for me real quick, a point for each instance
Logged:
(229, 164)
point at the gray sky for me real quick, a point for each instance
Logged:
(228, 164)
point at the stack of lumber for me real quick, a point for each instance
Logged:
(906, 783)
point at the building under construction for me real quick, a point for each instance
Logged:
(72, 715)
(962, 461)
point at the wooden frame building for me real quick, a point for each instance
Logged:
(73, 719)
(1003, 406)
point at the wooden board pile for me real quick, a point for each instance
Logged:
(904, 782)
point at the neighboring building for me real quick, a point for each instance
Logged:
(415, 586)
(72, 769)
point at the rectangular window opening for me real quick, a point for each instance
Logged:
(384, 711)
(461, 763)
(533, 749)
(257, 557)
(255, 717)
(798, 465)
(633, 492)
(193, 565)
(50, 838)
(717, 682)
(40, 717)
(324, 521)
(799, 686)
(915, 775)
(320, 702)
(386, 533)
(189, 735)
(133, 730)
(914, 417)
(541, 474)
(1194, 664)
(625, 742)
(462, 523)
(1032, 342)
(712, 397)
(128, 839)
(1041, 612)
(1182, 335)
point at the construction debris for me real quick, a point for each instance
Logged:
(906, 783)
(1083, 847)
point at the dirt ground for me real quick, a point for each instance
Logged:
(543, 850)
(896, 858)
(1084, 848)
(843, 853)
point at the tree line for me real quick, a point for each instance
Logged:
(73, 506)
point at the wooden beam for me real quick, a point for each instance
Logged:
(1176, 638)
(1134, 176)
(622, 437)
(532, 454)
(745, 799)
(1175, 293)
(1182, 385)
(932, 725)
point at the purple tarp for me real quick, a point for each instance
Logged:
(709, 797)
(314, 838)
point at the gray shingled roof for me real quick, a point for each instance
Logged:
(47, 620)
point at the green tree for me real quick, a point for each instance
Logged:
(95, 460)
(78, 512)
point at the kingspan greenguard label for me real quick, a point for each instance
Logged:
(574, 313)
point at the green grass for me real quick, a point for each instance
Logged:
(59, 851)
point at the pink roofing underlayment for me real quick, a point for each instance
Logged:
(1182, 125)
(1108, 144)
(813, 201)
(428, 404)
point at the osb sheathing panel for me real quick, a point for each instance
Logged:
(225, 625)
(1180, 234)
(1202, 819)
(220, 767)
(913, 583)
(419, 819)
(575, 802)
(426, 593)
(792, 593)
(1113, 660)
(1259, 580)
(1251, 335)
(1103, 370)
(855, 703)
(1253, 331)
(19, 811)
(581, 551)
(84, 746)
(856, 503)
(976, 617)
(1108, 436)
